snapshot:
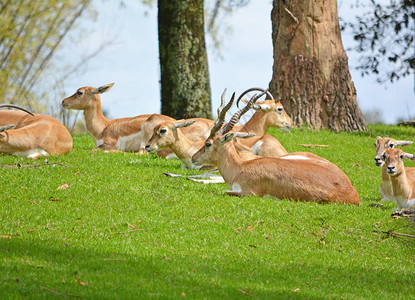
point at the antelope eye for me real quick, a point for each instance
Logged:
(280, 109)
(208, 144)
(79, 93)
(390, 145)
(401, 156)
(163, 130)
(383, 157)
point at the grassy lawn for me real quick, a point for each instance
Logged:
(119, 228)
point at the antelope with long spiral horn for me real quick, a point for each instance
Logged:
(293, 177)
(169, 134)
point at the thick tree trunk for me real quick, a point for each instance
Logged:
(185, 88)
(311, 73)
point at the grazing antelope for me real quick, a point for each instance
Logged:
(35, 135)
(382, 144)
(403, 187)
(125, 134)
(296, 177)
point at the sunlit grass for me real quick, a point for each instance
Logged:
(122, 229)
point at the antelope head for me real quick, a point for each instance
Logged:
(273, 111)
(86, 97)
(220, 136)
(393, 159)
(165, 134)
(383, 144)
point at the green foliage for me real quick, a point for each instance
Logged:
(385, 37)
(121, 229)
(30, 35)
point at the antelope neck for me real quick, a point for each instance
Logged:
(400, 186)
(95, 121)
(182, 147)
(257, 124)
(229, 163)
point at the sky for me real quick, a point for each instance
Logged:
(130, 60)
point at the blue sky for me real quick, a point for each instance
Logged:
(131, 60)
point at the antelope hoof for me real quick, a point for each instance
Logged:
(233, 193)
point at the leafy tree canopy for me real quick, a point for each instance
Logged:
(385, 38)
(30, 35)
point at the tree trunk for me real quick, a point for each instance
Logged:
(185, 88)
(310, 72)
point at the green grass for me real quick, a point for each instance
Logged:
(193, 240)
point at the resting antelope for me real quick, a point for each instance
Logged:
(35, 135)
(125, 134)
(295, 177)
(169, 134)
(382, 144)
(269, 113)
(402, 186)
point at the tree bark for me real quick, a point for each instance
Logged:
(310, 72)
(185, 87)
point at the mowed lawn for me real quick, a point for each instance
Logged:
(113, 226)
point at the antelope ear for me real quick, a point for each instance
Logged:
(409, 156)
(227, 137)
(103, 89)
(261, 107)
(403, 143)
(4, 128)
(184, 124)
(244, 135)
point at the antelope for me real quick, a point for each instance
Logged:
(269, 113)
(125, 134)
(169, 134)
(296, 177)
(33, 136)
(402, 186)
(382, 144)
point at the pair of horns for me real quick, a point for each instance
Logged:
(256, 89)
(235, 118)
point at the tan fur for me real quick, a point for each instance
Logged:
(269, 146)
(39, 132)
(108, 133)
(269, 113)
(304, 180)
(382, 144)
(9, 117)
(262, 119)
(174, 139)
(185, 148)
(402, 185)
